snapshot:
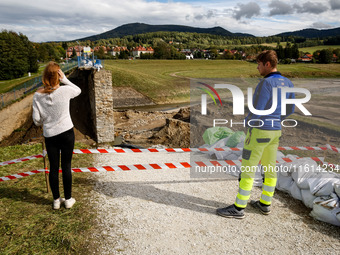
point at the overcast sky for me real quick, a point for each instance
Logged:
(46, 20)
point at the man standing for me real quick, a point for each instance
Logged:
(262, 141)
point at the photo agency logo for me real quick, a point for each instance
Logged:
(278, 98)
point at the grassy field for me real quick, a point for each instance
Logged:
(167, 81)
(311, 50)
(264, 44)
(6, 86)
(28, 224)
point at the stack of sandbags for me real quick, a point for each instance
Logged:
(317, 189)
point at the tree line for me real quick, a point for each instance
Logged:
(186, 40)
(17, 55)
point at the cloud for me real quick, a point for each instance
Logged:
(320, 25)
(210, 14)
(309, 7)
(335, 4)
(248, 10)
(50, 20)
(71, 18)
(280, 8)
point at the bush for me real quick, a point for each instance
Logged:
(325, 56)
(286, 61)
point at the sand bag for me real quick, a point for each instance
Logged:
(327, 209)
(235, 139)
(302, 177)
(295, 191)
(337, 188)
(322, 185)
(307, 198)
(284, 183)
(213, 134)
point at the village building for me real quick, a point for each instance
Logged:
(77, 49)
(117, 50)
(140, 49)
(306, 58)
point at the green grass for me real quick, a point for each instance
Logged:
(28, 224)
(167, 81)
(283, 44)
(313, 122)
(7, 85)
(311, 50)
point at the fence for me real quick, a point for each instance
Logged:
(26, 87)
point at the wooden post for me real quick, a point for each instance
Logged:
(45, 167)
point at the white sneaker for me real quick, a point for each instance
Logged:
(69, 203)
(57, 202)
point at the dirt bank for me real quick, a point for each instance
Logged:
(14, 116)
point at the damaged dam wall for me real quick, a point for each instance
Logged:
(92, 110)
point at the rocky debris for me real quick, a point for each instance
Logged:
(151, 128)
(183, 114)
(175, 134)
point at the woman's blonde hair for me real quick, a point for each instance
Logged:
(50, 77)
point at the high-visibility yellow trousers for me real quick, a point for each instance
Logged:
(259, 145)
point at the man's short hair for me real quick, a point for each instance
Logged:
(268, 56)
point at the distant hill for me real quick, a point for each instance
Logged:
(141, 28)
(313, 33)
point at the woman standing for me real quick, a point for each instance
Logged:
(51, 109)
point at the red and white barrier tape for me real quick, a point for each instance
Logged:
(333, 148)
(20, 175)
(10, 162)
(148, 167)
(106, 151)
(294, 148)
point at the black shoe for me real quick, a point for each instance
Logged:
(230, 212)
(263, 208)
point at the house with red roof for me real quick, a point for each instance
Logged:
(78, 50)
(117, 50)
(306, 58)
(140, 49)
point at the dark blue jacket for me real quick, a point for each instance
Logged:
(262, 100)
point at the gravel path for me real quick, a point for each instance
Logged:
(167, 212)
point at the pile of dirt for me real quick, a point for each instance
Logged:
(175, 134)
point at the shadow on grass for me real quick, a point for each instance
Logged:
(22, 194)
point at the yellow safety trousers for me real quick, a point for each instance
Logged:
(259, 145)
